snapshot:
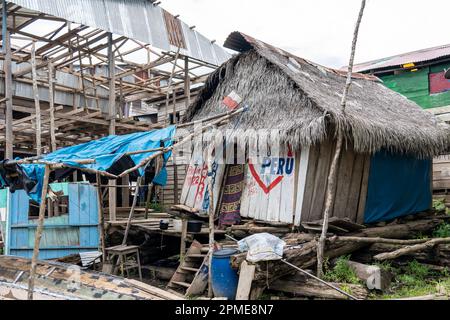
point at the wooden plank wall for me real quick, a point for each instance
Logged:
(275, 200)
(351, 188)
(441, 178)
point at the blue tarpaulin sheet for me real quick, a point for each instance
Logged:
(398, 186)
(106, 152)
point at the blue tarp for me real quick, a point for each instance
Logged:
(106, 152)
(398, 186)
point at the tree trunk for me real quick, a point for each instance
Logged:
(332, 177)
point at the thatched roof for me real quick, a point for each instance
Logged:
(302, 100)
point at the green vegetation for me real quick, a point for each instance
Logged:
(341, 272)
(442, 231)
(440, 207)
(415, 279)
(156, 207)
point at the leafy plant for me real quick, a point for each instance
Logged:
(417, 270)
(439, 205)
(156, 207)
(341, 272)
(442, 231)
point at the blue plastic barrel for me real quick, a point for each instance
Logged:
(224, 278)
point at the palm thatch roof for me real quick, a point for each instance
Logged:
(302, 100)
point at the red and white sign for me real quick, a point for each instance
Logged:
(232, 100)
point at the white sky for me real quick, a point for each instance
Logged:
(321, 30)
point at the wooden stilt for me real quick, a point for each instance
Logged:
(8, 85)
(112, 122)
(38, 233)
(184, 226)
(133, 206)
(211, 218)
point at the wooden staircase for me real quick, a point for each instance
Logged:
(191, 277)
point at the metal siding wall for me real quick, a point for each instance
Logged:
(63, 235)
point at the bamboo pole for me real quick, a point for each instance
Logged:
(332, 177)
(38, 233)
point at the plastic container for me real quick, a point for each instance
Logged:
(224, 279)
(194, 226)
(163, 225)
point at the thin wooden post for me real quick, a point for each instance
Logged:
(133, 206)
(38, 233)
(51, 94)
(211, 213)
(36, 100)
(187, 83)
(112, 191)
(101, 217)
(332, 177)
(184, 226)
(9, 135)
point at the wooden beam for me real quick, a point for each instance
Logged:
(8, 86)
(52, 106)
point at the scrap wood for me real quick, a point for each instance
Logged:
(411, 249)
(371, 240)
(373, 276)
(154, 290)
(300, 285)
(183, 208)
(305, 255)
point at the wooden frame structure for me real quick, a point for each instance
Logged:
(63, 83)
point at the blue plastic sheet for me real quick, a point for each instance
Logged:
(106, 152)
(398, 186)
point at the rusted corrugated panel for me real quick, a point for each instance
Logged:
(405, 58)
(135, 19)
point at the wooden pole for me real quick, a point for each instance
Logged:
(9, 138)
(38, 233)
(133, 206)
(101, 217)
(332, 177)
(52, 105)
(187, 83)
(184, 227)
(211, 214)
(112, 191)
(36, 100)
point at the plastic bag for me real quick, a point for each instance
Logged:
(262, 247)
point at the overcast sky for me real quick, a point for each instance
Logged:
(321, 30)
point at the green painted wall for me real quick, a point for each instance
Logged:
(415, 86)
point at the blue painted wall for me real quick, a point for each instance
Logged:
(62, 236)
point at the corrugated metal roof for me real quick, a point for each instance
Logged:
(135, 19)
(405, 58)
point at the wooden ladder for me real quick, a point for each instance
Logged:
(191, 277)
